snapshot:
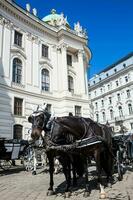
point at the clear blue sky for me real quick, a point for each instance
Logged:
(109, 24)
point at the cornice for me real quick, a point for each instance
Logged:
(112, 77)
(42, 96)
(34, 22)
(27, 18)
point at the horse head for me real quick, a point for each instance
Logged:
(38, 119)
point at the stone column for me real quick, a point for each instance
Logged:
(6, 48)
(81, 72)
(29, 67)
(64, 70)
(35, 64)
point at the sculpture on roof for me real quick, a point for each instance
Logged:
(62, 20)
(79, 30)
(78, 27)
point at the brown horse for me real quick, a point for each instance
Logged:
(66, 131)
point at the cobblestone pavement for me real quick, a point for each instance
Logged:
(17, 184)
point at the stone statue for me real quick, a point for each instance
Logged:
(78, 28)
(62, 20)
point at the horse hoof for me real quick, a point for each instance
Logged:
(67, 194)
(86, 194)
(34, 173)
(50, 192)
(103, 196)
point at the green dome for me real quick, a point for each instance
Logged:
(53, 17)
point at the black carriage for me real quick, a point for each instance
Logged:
(122, 152)
(11, 150)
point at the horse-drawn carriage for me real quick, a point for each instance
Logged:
(123, 152)
(11, 150)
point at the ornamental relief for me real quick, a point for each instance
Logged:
(5, 22)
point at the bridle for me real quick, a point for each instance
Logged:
(35, 123)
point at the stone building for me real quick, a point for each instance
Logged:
(41, 60)
(111, 94)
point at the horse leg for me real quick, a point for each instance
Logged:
(109, 170)
(74, 174)
(66, 164)
(98, 166)
(51, 172)
(34, 162)
(87, 187)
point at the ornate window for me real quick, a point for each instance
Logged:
(44, 51)
(77, 110)
(18, 106)
(128, 93)
(120, 111)
(104, 117)
(102, 102)
(117, 83)
(126, 79)
(18, 38)
(111, 114)
(118, 97)
(17, 71)
(110, 100)
(17, 131)
(45, 80)
(70, 84)
(69, 60)
(130, 109)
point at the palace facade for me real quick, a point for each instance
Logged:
(41, 60)
(111, 94)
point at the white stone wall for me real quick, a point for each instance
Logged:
(110, 89)
(35, 33)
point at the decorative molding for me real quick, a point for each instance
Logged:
(45, 62)
(18, 52)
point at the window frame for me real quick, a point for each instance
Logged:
(17, 71)
(45, 51)
(18, 106)
(45, 80)
(69, 60)
(70, 84)
(78, 111)
(17, 127)
(18, 38)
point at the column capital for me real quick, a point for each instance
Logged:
(63, 46)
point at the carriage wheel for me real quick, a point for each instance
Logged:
(119, 166)
(5, 164)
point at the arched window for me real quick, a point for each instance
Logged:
(17, 131)
(45, 80)
(120, 111)
(104, 117)
(17, 71)
(70, 84)
(130, 109)
(111, 114)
